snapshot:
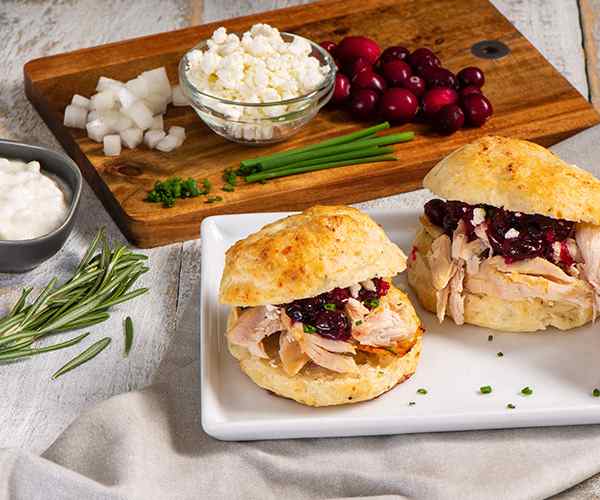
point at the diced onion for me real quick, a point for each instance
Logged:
(75, 116)
(153, 137)
(127, 114)
(112, 145)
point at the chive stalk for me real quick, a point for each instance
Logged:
(342, 139)
(300, 170)
(385, 140)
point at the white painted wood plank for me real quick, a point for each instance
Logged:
(33, 408)
(553, 27)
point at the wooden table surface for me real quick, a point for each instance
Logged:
(33, 408)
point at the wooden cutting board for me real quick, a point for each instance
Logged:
(530, 98)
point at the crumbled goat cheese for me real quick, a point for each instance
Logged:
(511, 233)
(259, 68)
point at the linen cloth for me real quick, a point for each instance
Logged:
(150, 444)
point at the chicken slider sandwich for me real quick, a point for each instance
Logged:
(515, 242)
(314, 314)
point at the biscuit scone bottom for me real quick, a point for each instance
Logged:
(519, 176)
(307, 254)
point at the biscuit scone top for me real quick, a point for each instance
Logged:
(307, 254)
(518, 175)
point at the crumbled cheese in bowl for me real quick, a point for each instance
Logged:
(259, 68)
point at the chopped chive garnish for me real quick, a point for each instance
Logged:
(329, 307)
(527, 391)
(485, 389)
(499, 354)
(309, 329)
(422, 391)
(358, 323)
(372, 303)
(411, 403)
(490, 338)
(228, 187)
(596, 393)
(229, 177)
(510, 406)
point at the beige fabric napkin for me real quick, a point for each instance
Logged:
(150, 445)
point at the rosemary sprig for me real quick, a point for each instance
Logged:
(103, 278)
(91, 352)
(128, 335)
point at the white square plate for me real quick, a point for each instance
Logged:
(561, 368)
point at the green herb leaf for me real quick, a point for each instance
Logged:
(128, 335)
(309, 329)
(358, 323)
(527, 391)
(228, 187)
(596, 393)
(499, 354)
(485, 389)
(166, 192)
(230, 177)
(422, 391)
(372, 303)
(411, 403)
(329, 307)
(213, 199)
(90, 353)
(510, 406)
(24, 353)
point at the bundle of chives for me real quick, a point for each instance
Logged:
(351, 149)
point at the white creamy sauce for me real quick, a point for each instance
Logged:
(31, 203)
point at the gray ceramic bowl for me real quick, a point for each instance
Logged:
(22, 255)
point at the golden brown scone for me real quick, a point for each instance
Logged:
(519, 176)
(528, 315)
(307, 254)
(378, 371)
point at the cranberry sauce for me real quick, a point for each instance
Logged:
(514, 235)
(324, 314)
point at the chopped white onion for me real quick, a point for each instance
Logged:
(153, 137)
(140, 114)
(126, 97)
(132, 137)
(178, 98)
(158, 123)
(178, 132)
(168, 143)
(156, 103)
(82, 102)
(96, 130)
(127, 114)
(103, 100)
(75, 116)
(138, 86)
(112, 145)
(105, 83)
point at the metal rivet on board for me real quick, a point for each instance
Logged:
(490, 49)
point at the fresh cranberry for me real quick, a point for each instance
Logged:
(382, 286)
(422, 58)
(435, 210)
(415, 84)
(363, 104)
(357, 66)
(471, 76)
(329, 46)
(436, 99)
(398, 105)
(338, 296)
(369, 80)
(439, 77)
(396, 72)
(477, 109)
(353, 47)
(449, 119)
(341, 90)
(332, 324)
(464, 92)
(393, 53)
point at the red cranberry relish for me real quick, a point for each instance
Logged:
(324, 314)
(536, 232)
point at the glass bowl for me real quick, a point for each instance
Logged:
(259, 123)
